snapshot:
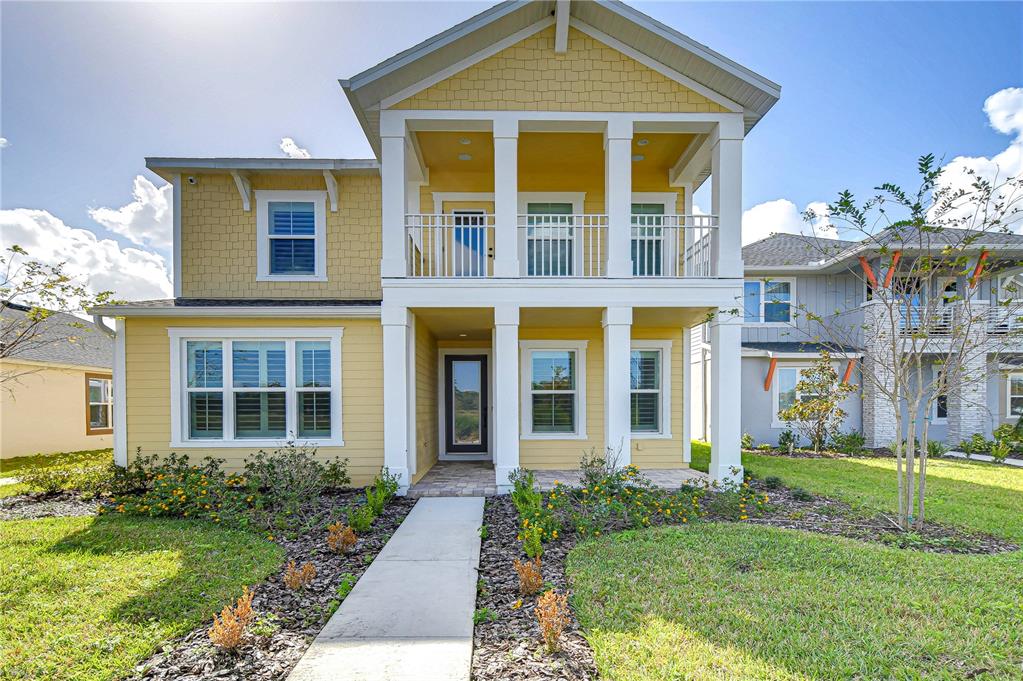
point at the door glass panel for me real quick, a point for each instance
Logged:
(466, 402)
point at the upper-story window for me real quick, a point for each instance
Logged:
(768, 300)
(291, 242)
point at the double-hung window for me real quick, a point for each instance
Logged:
(940, 411)
(787, 392)
(292, 235)
(650, 381)
(262, 387)
(1015, 406)
(99, 404)
(554, 389)
(550, 240)
(767, 301)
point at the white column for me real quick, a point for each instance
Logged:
(120, 391)
(687, 394)
(506, 394)
(726, 396)
(506, 198)
(726, 200)
(617, 382)
(392, 190)
(618, 192)
(395, 320)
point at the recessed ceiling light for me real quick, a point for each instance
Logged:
(465, 140)
(465, 157)
(642, 142)
(638, 157)
(462, 335)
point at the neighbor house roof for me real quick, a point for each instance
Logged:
(796, 252)
(62, 339)
(614, 21)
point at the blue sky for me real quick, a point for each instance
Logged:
(88, 89)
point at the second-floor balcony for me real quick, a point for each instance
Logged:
(562, 245)
(1002, 320)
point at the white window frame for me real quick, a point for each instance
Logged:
(179, 338)
(777, 422)
(1008, 392)
(526, 350)
(319, 201)
(108, 380)
(664, 346)
(760, 323)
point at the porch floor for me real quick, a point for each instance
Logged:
(476, 478)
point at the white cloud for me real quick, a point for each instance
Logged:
(1004, 110)
(146, 221)
(292, 150)
(3, 143)
(781, 215)
(101, 264)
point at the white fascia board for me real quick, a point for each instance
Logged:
(42, 364)
(768, 354)
(352, 311)
(688, 292)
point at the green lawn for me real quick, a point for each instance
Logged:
(88, 598)
(972, 495)
(739, 601)
(12, 468)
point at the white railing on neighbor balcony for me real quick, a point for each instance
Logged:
(459, 245)
(673, 245)
(1005, 320)
(563, 245)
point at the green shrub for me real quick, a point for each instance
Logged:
(532, 540)
(788, 440)
(360, 518)
(284, 480)
(381, 491)
(936, 449)
(524, 495)
(851, 443)
(1000, 451)
(800, 494)
(772, 482)
(977, 444)
(747, 441)
(1011, 436)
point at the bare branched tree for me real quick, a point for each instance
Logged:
(941, 268)
(31, 293)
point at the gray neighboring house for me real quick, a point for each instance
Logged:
(784, 273)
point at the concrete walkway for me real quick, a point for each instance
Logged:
(409, 616)
(1018, 463)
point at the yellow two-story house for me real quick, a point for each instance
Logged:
(515, 278)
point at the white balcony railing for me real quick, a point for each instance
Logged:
(560, 246)
(449, 245)
(1004, 320)
(997, 320)
(563, 245)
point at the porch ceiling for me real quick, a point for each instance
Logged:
(462, 323)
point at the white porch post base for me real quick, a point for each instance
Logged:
(726, 396)
(506, 395)
(617, 387)
(395, 320)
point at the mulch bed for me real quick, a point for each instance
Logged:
(31, 506)
(879, 453)
(828, 516)
(510, 647)
(298, 616)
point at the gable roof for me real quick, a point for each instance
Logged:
(476, 37)
(64, 339)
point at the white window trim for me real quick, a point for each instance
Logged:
(665, 347)
(440, 198)
(109, 404)
(777, 422)
(577, 199)
(179, 337)
(526, 349)
(935, 419)
(763, 298)
(667, 199)
(1008, 392)
(319, 201)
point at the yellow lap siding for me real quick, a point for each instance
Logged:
(148, 403)
(427, 425)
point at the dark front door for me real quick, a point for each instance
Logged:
(465, 403)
